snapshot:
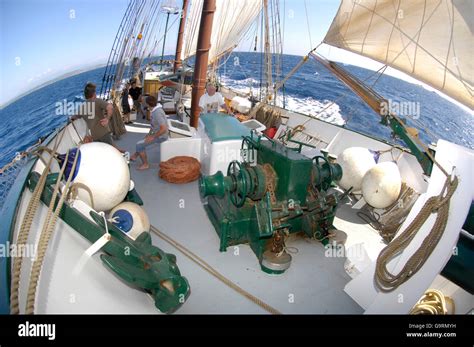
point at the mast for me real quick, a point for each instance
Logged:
(202, 58)
(268, 53)
(179, 43)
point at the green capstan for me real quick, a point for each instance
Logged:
(275, 192)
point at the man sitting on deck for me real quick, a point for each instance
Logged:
(158, 132)
(212, 100)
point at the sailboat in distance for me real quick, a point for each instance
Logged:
(262, 204)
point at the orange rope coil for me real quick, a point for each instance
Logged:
(180, 169)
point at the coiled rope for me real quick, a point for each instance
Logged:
(181, 169)
(433, 302)
(205, 266)
(384, 279)
(26, 226)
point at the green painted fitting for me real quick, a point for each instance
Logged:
(324, 172)
(213, 185)
(223, 236)
(271, 272)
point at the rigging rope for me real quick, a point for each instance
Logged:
(47, 231)
(25, 227)
(307, 23)
(208, 268)
(114, 47)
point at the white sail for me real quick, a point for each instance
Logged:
(232, 20)
(431, 40)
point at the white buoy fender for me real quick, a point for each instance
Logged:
(382, 184)
(103, 169)
(130, 218)
(355, 162)
(240, 104)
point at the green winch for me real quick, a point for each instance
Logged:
(262, 201)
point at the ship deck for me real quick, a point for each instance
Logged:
(313, 284)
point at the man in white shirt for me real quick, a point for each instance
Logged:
(211, 100)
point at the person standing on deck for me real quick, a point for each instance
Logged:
(158, 132)
(212, 100)
(135, 92)
(125, 104)
(97, 114)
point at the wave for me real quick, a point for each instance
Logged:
(323, 110)
(326, 110)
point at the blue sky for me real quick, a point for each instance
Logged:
(43, 39)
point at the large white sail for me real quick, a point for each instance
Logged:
(232, 20)
(431, 40)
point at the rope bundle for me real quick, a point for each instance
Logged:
(434, 302)
(384, 279)
(180, 169)
(269, 116)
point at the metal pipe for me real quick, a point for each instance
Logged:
(202, 58)
(164, 41)
(179, 43)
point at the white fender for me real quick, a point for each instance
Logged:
(355, 162)
(104, 170)
(130, 218)
(381, 185)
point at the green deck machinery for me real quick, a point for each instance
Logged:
(262, 201)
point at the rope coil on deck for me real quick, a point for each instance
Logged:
(385, 281)
(181, 169)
